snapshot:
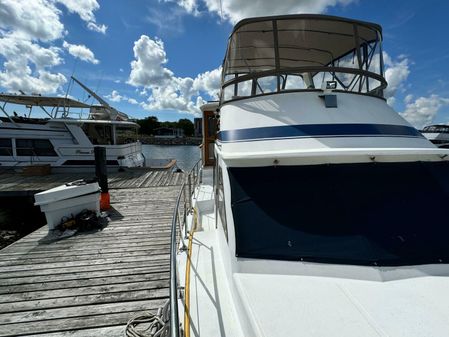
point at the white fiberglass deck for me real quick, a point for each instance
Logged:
(292, 298)
(211, 308)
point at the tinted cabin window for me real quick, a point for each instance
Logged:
(362, 214)
(98, 134)
(221, 202)
(125, 135)
(5, 147)
(35, 147)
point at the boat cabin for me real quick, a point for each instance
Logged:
(108, 133)
(304, 132)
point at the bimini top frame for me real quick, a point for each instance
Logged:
(56, 103)
(303, 52)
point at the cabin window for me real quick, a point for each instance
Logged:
(5, 147)
(360, 213)
(220, 200)
(125, 135)
(35, 147)
(98, 134)
(266, 85)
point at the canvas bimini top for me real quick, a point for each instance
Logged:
(38, 100)
(303, 52)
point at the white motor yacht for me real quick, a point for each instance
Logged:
(437, 134)
(322, 215)
(64, 139)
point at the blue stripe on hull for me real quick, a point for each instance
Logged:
(318, 131)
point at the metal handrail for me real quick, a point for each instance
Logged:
(192, 180)
(314, 69)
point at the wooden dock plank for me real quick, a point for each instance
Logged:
(12, 182)
(29, 289)
(110, 331)
(88, 310)
(65, 324)
(32, 279)
(113, 297)
(92, 284)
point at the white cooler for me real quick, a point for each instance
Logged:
(67, 200)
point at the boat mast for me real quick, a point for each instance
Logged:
(114, 112)
(93, 94)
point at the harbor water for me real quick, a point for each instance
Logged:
(186, 155)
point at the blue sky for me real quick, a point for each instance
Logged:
(162, 57)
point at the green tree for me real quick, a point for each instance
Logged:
(187, 126)
(148, 124)
(169, 125)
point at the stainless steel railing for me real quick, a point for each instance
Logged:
(179, 227)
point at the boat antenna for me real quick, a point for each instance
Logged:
(99, 82)
(71, 76)
(69, 85)
(221, 11)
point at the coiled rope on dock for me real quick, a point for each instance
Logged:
(149, 324)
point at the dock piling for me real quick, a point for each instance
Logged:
(102, 176)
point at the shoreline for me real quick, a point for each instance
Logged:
(151, 140)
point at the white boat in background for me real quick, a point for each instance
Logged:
(438, 134)
(322, 215)
(64, 139)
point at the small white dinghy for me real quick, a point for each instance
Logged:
(67, 200)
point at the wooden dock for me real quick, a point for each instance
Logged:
(16, 184)
(92, 284)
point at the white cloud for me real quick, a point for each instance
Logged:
(17, 75)
(80, 51)
(85, 9)
(97, 28)
(38, 19)
(20, 50)
(190, 6)
(28, 31)
(115, 96)
(165, 90)
(235, 10)
(209, 82)
(408, 98)
(423, 110)
(148, 67)
(396, 73)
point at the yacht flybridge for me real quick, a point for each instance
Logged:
(322, 214)
(64, 139)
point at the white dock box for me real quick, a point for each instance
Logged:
(67, 200)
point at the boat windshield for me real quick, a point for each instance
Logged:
(385, 214)
(303, 52)
(436, 129)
